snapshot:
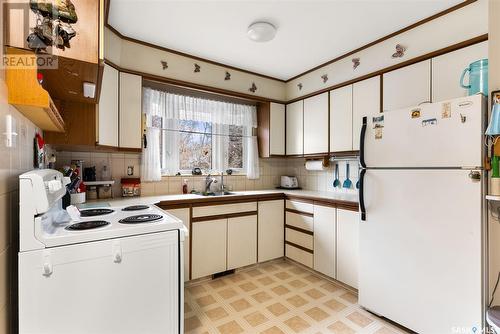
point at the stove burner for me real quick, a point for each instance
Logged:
(140, 219)
(135, 208)
(87, 225)
(95, 212)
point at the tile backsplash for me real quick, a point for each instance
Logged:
(270, 171)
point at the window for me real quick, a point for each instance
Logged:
(184, 132)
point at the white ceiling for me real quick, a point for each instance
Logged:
(309, 32)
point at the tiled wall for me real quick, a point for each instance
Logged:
(13, 161)
(270, 171)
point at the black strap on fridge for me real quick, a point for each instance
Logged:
(362, 208)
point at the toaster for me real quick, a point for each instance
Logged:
(289, 182)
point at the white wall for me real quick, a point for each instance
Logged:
(146, 59)
(460, 25)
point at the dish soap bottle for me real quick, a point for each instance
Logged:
(185, 187)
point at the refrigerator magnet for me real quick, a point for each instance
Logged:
(446, 110)
(430, 121)
(378, 122)
(415, 113)
(378, 132)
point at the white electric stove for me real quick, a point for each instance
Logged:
(104, 270)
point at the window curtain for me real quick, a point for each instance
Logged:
(171, 108)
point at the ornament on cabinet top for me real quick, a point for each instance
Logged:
(197, 68)
(400, 51)
(355, 63)
(164, 64)
(228, 76)
(299, 85)
(325, 78)
(253, 89)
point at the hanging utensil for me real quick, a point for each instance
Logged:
(336, 182)
(347, 182)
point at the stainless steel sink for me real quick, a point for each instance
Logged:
(219, 193)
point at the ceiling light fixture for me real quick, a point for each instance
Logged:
(261, 31)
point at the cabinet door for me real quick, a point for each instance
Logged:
(295, 128)
(108, 108)
(341, 119)
(130, 110)
(271, 227)
(324, 240)
(407, 86)
(241, 241)
(447, 69)
(183, 214)
(365, 101)
(209, 247)
(277, 129)
(316, 124)
(347, 247)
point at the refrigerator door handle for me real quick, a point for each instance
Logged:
(362, 208)
(362, 143)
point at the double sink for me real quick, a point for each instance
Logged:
(218, 193)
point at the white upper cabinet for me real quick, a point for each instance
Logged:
(365, 101)
(295, 128)
(447, 69)
(316, 124)
(347, 247)
(108, 108)
(130, 119)
(324, 240)
(341, 119)
(407, 86)
(277, 129)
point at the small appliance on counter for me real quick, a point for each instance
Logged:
(289, 182)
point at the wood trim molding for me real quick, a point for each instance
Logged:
(302, 213)
(153, 77)
(298, 229)
(224, 216)
(409, 62)
(299, 247)
(183, 54)
(221, 200)
(400, 31)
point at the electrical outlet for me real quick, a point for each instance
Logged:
(130, 170)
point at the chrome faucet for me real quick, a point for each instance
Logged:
(222, 186)
(208, 182)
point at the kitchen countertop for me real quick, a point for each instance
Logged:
(164, 199)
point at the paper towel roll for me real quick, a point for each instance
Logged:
(314, 165)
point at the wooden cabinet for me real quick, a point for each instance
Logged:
(270, 230)
(365, 101)
(277, 129)
(407, 86)
(209, 247)
(108, 108)
(271, 129)
(316, 125)
(183, 214)
(130, 108)
(347, 247)
(295, 128)
(447, 69)
(324, 240)
(241, 241)
(341, 126)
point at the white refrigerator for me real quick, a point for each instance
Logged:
(422, 232)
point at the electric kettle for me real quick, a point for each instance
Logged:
(478, 77)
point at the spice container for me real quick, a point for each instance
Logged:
(104, 191)
(131, 187)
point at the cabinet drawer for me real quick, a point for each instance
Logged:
(299, 238)
(300, 206)
(299, 255)
(300, 221)
(224, 209)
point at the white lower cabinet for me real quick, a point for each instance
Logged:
(209, 247)
(324, 240)
(347, 247)
(183, 214)
(270, 230)
(241, 241)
